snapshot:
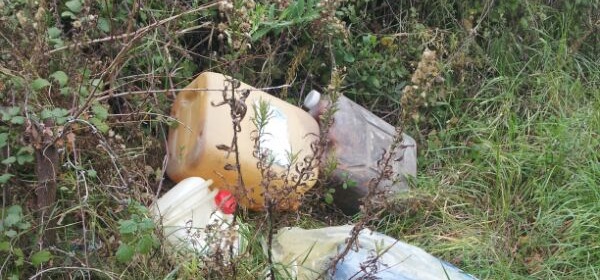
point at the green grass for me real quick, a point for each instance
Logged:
(515, 181)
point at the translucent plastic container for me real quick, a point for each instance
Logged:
(358, 139)
(202, 127)
(185, 212)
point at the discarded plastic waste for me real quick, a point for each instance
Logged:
(226, 202)
(188, 209)
(193, 144)
(307, 254)
(357, 140)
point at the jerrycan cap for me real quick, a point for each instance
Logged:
(312, 99)
(225, 202)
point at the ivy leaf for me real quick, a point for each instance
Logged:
(53, 32)
(374, 81)
(328, 198)
(97, 83)
(41, 257)
(104, 25)
(61, 77)
(20, 257)
(65, 90)
(68, 14)
(127, 226)
(15, 209)
(100, 125)
(45, 114)
(146, 224)
(92, 173)
(40, 83)
(5, 177)
(10, 233)
(3, 139)
(57, 43)
(84, 91)
(351, 183)
(9, 160)
(13, 111)
(74, 6)
(17, 120)
(348, 57)
(25, 155)
(144, 245)
(125, 253)
(100, 112)
(24, 225)
(4, 246)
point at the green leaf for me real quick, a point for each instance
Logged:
(144, 245)
(351, 183)
(84, 91)
(100, 125)
(127, 226)
(4, 246)
(25, 155)
(24, 225)
(11, 233)
(100, 112)
(40, 257)
(60, 112)
(57, 43)
(20, 257)
(40, 83)
(92, 173)
(65, 90)
(46, 114)
(260, 33)
(146, 224)
(5, 177)
(15, 209)
(13, 111)
(348, 57)
(328, 198)
(125, 253)
(68, 14)
(17, 120)
(53, 32)
(3, 139)
(12, 219)
(97, 83)
(374, 81)
(9, 160)
(61, 77)
(74, 5)
(104, 25)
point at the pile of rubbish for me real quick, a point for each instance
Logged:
(223, 122)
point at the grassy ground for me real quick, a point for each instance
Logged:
(507, 122)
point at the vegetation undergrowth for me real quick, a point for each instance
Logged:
(502, 97)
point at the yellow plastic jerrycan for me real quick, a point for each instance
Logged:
(193, 152)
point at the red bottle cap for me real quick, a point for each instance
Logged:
(225, 202)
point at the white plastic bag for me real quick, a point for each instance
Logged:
(307, 254)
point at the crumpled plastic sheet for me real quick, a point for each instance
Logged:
(307, 254)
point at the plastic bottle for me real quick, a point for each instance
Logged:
(202, 127)
(358, 139)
